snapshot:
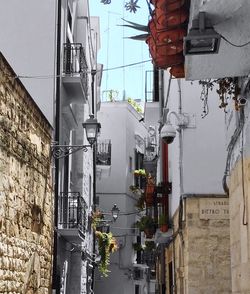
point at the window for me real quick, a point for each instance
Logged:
(130, 164)
(137, 289)
(138, 165)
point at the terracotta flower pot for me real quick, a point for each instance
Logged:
(164, 228)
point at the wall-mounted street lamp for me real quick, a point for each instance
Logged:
(202, 38)
(92, 128)
(115, 212)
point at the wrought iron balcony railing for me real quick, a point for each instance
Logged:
(103, 152)
(74, 61)
(72, 212)
(74, 58)
(149, 258)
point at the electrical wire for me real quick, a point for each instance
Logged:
(127, 65)
(125, 213)
(89, 72)
(232, 44)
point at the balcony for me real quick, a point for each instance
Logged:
(151, 152)
(103, 158)
(75, 73)
(72, 216)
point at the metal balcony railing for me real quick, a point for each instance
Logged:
(148, 258)
(74, 61)
(72, 211)
(103, 152)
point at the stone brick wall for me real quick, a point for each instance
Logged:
(239, 226)
(25, 190)
(201, 247)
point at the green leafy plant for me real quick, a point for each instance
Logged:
(136, 106)
(227, 88)
(112, 95)
(139, 193)
(162, 219)
(140, 172)
(149, 245)
(137, 246)
(96, 219)
(106, 244)
(146, 222)
(134, 189)
(140, 203)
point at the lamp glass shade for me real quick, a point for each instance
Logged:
(92, 128)
(115, 212)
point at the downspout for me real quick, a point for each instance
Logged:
(93, 73)
(182, 201)
(55, 274)
(165, 179)
(180, 131)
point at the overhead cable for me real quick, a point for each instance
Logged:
(55, 76)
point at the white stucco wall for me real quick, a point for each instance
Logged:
(203, 148)
(230, 19)
(120, 123)
(27, 37)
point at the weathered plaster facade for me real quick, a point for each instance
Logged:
(200, 251)
(25, 190)
(239, 229)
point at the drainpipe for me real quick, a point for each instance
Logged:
(55, 273)
(180, 131)
(93, 73)
(165, 180)
(182, 202)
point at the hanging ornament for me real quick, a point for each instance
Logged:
(132, 6)
(106, 1)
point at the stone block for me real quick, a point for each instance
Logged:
(22, 181)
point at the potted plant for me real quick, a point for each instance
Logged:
(140, 172)
(149, 245)
(163, 223)
(140, 204)
(96, 219)
(106, 244)
(147, 225)
(137, 246)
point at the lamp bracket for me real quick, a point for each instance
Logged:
(182, 119)
(61, 151)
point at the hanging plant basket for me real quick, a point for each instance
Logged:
(171, 19)
(169, 5)
(106, 244)
(178, 71)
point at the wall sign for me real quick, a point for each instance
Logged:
(217, 208)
